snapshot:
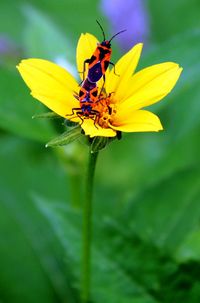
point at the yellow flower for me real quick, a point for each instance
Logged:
(122, 99)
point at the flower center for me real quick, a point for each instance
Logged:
(106, 110)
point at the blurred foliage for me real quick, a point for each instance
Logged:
(146, 245)
(172, 18)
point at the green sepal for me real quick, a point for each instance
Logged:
(48, 115)
(66, 138)
(98, 143)
(69, 123)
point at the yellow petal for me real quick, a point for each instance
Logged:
(57, 106)
(93, 131)
(138, 121)
(48, 73)
(50, 84)
(87, 44)
(150, 85)
(117, 80)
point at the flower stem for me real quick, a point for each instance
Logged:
(87, 228)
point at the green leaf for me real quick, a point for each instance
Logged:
(183, 14)
(33, 268)
(49, 115)
(66, 138)
(61, 15)
(189, 248)
(109, 281)
(16, 282)
(41, 31)
(168, 212)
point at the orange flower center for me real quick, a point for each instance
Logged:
(106, 110)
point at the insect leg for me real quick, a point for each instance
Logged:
(73, 111)
(96, 116)
(111, 63)
(84, 67)
(80, 114)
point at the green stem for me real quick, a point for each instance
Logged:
(75, 187)
(87, 228)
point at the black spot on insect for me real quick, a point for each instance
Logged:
(94, 94)
(103, 52)
(81, 93)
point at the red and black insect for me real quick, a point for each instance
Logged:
(100, 60)
(87, 97)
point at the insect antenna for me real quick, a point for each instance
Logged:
(104, 37)
(117, 34)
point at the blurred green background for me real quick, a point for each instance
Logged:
(146, 246)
